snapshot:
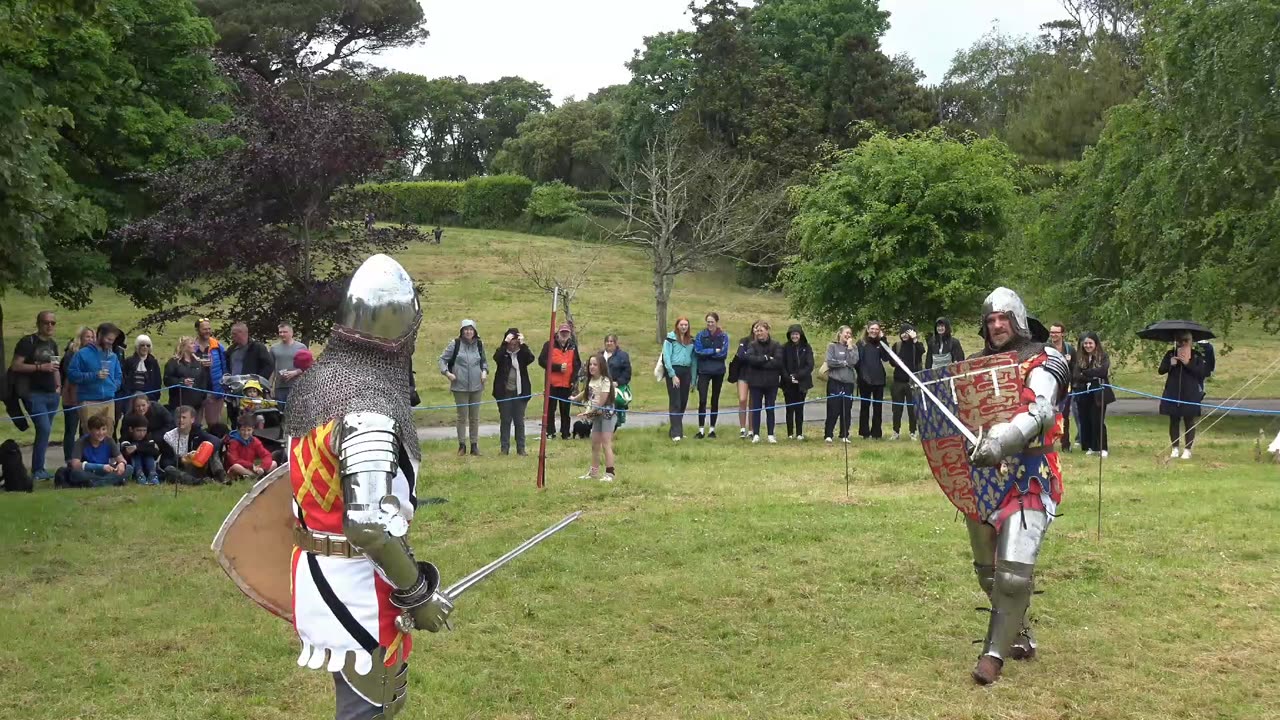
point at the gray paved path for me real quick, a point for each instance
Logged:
(814, 415)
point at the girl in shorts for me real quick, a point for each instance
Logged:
(600, 411)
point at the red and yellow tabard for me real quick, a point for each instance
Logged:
(340, 605)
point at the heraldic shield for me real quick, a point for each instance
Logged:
(255, 543)
(981, 392)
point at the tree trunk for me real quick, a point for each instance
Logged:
(661, 294)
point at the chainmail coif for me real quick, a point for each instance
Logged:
(350, 376)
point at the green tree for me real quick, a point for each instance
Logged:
(575, 143)
(901, 229)
(1176, 210)
(277, 38)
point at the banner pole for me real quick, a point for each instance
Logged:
(546, 392)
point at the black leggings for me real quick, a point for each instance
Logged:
(839, 407)
(763, 397)
(715, 381)
(871, 409)
(1189, 423)
(1093, 423)
(678, 400)
(794, 398)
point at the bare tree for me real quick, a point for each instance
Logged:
(548, 276)
(685, 206)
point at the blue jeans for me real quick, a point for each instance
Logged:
(70, 430)
(43, 408)
(142, 467)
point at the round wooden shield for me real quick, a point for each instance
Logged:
(255, 544)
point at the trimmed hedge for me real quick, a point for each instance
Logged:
(491, 199)
(601, 208)
(595, 195)
(429, 202)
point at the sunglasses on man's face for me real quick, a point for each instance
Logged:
(48, 322)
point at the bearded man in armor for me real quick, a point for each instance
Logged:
(1006, 544)
(358, 591)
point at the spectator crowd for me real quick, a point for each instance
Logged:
(220, 420)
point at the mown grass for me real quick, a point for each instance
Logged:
(476, 274)
(713, 580)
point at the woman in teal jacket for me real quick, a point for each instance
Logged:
(681, 367)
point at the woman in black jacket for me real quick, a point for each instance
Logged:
(762, 371)
(871, 381)
(1092, 376)
(1185, 369)
(141, 371)
(797, 379)
(159, 420)
(185, 376)
(511, 388)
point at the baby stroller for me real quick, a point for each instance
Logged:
(253, 395)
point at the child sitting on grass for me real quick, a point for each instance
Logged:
(247, 457)
(139, 451)
(95, 459)
(186, 460)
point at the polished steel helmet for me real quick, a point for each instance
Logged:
(1004, 300)
(381, 306)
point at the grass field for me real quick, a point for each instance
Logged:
(713, 580)
(476, 274)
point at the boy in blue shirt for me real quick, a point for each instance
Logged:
(96, 460)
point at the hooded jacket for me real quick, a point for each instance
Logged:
(871, 361)
(944, 345)
(469, 362)
(84, 373)
(797, 361)
(910, 351)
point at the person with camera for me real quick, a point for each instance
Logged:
(871, 381)
(842, 375)
(511, 388)
(562, 363)
(911, 351)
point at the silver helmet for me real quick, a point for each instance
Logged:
(1004, 300)
(381, 306)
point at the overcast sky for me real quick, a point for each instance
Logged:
(575, 47)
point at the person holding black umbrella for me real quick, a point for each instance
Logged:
(1184, 368)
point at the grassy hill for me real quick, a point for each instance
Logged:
(476, 274)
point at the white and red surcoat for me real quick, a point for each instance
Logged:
(340, 605)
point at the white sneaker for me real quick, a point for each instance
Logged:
(846, 441)
(915, 437)
(742, 432)
(773, 440)
(607, 478)
(677, 438)
(1186, 454)
(589, 476)
(895, 436)
(1088, 452)
(1103, 453)
(1175, 454)
(829, 441)
(800, 438)
(755, 439)
(791, 437)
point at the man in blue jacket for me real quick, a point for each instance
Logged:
(95, 371)
(711, 347)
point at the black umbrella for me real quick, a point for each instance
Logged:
(1168, 330)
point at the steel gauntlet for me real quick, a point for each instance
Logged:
(1010, 438)
(424, 605)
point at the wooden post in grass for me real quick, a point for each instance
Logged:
(546, 392)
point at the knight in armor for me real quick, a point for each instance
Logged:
(1006, 544)
(358, 590)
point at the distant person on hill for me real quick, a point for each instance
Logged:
(762, 360)
(744, 391)
(681, 374)
(36, 367)
(711, 347)
(464, 363)
(1184, 368)
(511, 388)
(911, 351)
(871, 381)
(438, 233)
(797, 379)
(943, 348)
(842, 376)
(84, 337)
(620, 373)
(95, 370)
(562, 363)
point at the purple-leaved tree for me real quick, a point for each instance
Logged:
(253, 231)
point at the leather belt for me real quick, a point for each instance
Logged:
(325, 544)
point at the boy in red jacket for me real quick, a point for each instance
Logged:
(244, 450)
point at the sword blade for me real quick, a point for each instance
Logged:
(924, 389)
(470, 581)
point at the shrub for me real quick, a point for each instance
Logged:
(554, 202)
(494, 198)
(595, 194)
(411, 202)
(601, 208)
